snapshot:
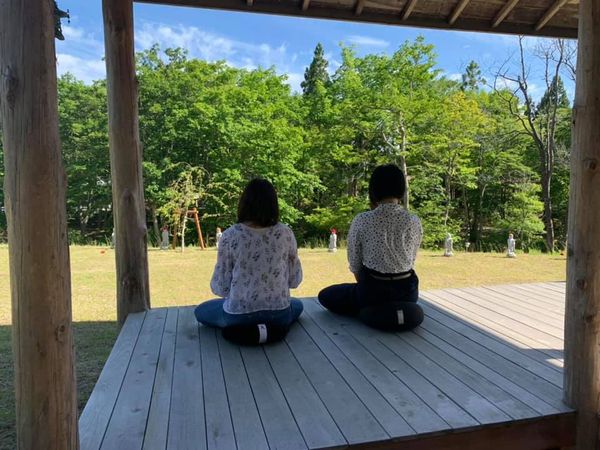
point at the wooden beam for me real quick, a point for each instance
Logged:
(549, 432)
(305, 4)
(34, 180)
(505, 11)
(582, 312)
(369, 16)
(358, 9)
(550, 14)
(249, 2)
(462, 4)
(409, 9)
(126, 160)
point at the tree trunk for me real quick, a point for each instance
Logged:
(402, 161)
(582, 314)
(548, 224)
(40, 278)
(126, 160)
(183, 226)
(155, 226)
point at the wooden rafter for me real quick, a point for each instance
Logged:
(305, 4)
(409, 9)
(330, 10)
(457, 10)
(550, 14)
(505, 11)
(360, 4)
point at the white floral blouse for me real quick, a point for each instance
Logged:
(256, 267)
(385, 239)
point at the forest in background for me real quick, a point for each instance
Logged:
(483, 158)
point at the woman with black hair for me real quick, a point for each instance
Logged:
(257, 264)
(382, 248)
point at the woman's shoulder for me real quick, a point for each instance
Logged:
(283, 228)
(232, 231)
(412, 218)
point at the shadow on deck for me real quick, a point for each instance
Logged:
(483, 371)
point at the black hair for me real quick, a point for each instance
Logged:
(258, 204)
(386, 182)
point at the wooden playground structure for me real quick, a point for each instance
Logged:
(45, 384)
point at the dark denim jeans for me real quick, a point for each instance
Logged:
(211, 313)
(349, 298)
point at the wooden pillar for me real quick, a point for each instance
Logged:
(42, 339)
(126, 160)
(582, 315)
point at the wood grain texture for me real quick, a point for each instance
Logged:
(99, 408)
(40, 277)
(429, 15)
(127, 425)
(582, 314)
(129, 211)
(457, 380)
(156, 434)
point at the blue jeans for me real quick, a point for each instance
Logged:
(212, 314)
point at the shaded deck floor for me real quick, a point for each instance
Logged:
(483, 371)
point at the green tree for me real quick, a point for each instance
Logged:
(83, 131)
(472, 78)
(316, 72)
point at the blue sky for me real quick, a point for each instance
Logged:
(253, 40)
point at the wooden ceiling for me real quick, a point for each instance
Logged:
(554, 18)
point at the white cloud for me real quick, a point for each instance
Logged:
(454, 76)
(213, 47)
(86, 70)
(366, 41)
(72, 32)
(294, 80)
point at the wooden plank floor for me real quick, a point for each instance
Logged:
(483, 371)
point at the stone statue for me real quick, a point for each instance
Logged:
(333, 241)
(218, 236)
(511, 247)
(448, 251)
(164, 238)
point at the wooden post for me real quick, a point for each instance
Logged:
(582, 315)
(40, 279)
(198, 228)
(126, 160)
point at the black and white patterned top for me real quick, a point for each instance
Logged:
(385, 239)
(256, 267)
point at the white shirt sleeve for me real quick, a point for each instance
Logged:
(355, 247)
(220, 282)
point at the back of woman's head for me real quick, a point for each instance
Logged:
(258, 204)
(387, 181)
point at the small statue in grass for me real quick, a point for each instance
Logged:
(511, 247)
(164, 238)
(448, 250)
(333, 241)
(218, 237)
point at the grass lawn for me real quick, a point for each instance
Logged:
(182, 279)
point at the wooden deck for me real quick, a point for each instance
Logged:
(483, 371)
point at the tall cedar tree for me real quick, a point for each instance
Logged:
(317, 71)
(472, 78)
